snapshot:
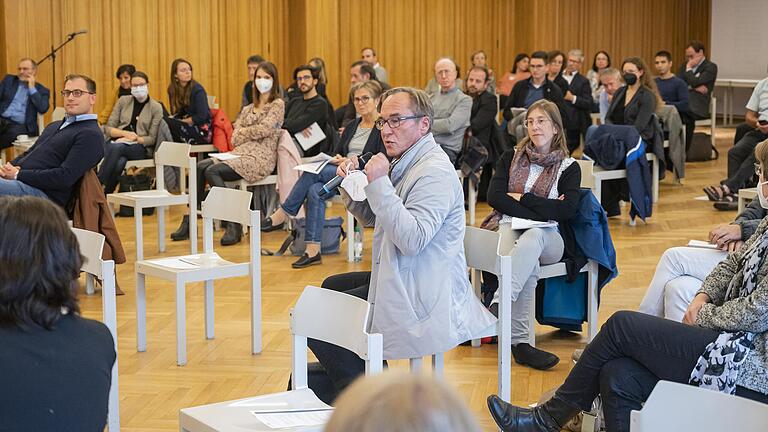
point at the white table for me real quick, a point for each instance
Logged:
(728, 85)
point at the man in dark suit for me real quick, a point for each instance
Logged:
(578, 100)
(22, 98)
(700, 74)
(482, 121)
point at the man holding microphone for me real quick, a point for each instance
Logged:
(422, 300)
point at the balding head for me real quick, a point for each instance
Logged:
(446, 73)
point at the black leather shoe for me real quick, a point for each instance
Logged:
(182, 233)
(510, 418)
(527, 355)
(233, 235)
(266, 225)
(306, 261)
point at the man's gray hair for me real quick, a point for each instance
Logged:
(577, 53)
(420, 103)
(609, 71)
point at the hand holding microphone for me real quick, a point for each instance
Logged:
(330, 187)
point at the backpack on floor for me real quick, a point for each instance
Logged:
(333, 235)
(132, 183)
(701, 149)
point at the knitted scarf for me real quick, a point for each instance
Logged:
(718, 367)
(520, 169)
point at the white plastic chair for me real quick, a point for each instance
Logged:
(225, 204)
(168, 154)
(321, 314)
(745, 196)
(711, 120)
(481, 248)
(91, 246)
(674, 407)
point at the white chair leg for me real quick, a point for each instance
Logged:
(475, 281)
(181, 324)
(655, 179)
(438, 363)
(89, 288)
(209, 330)
(472, 197)
(109, 309)
(505, 332)
(599, 190)
(161, 229)
(416, 365)
(141, 313)
(592, 313)
(139, 233)
(351, 237)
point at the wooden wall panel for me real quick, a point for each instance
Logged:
(409, 35)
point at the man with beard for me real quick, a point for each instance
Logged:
(301, 113)
(482, 119)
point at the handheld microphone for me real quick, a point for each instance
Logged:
(79, 32)
(330, 187)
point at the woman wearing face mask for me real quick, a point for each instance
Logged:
(190, 119)
(360, 136)
(255, 137)
(632, 105)
(131, 131)
(537, 181)
(721, 345)
(123, 74)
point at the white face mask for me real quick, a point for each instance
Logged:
(140, 93)
(264, 85)
(354, 184)
(761, 195)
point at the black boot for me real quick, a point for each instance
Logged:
(233, 234)
(182, 233)
(549, 417)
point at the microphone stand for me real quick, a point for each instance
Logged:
(52, 55)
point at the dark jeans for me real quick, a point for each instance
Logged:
(689, 120)
(308, 189)
(116, 155)
(628, 356)
(741, 160)
(341, 365)
(190, 134)
(9, 130)
(215, 173)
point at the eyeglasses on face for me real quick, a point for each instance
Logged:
(535, 122)
(75, 93)
(394, 122)
(362, 100)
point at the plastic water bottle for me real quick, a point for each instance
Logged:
(358, 239)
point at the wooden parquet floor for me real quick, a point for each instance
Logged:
(153, 388)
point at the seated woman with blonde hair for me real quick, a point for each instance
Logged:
(399, 402)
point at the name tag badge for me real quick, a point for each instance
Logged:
(697, 75)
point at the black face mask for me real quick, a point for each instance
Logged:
(630, 78)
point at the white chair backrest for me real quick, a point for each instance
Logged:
(173, 154)
(91, 245)
(481, 248)
(334, 317)
(58, 114)
(681, 407)
(40, 124)
(587, 170)
(231, 205)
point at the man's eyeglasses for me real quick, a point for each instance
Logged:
(394, 122)
(75, 93)
(535, 122)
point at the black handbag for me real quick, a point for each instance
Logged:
(133, 183)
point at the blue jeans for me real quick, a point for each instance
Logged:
(308, 188)
(116, 154)
(17, 188)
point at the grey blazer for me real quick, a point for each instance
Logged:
(149, 119)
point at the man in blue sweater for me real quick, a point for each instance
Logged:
(22, 98)
(65, 151)
(672, 89)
